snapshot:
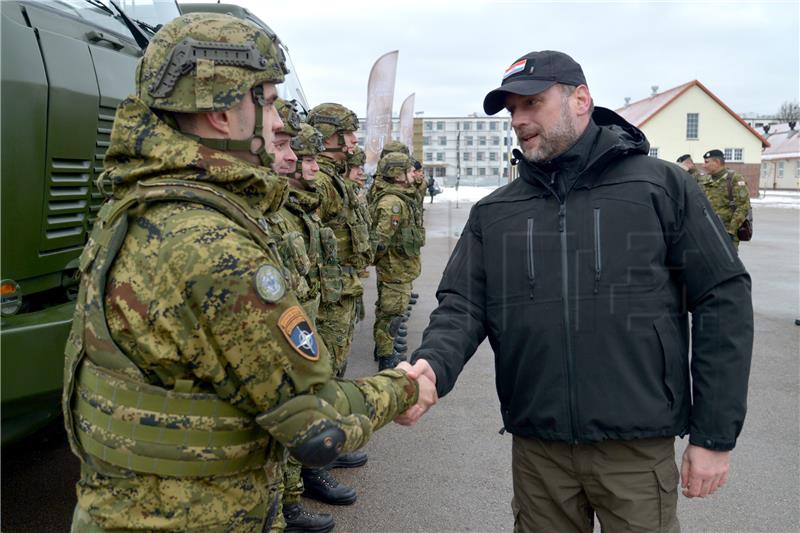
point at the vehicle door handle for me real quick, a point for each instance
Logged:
(98, 37)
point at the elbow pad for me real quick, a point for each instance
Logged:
(313, 431)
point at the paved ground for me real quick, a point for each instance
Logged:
(451, 472)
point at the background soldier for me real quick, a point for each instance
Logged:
(686, 163)
(398, 240)
(187, 339)
(727, 192)
(355, 174)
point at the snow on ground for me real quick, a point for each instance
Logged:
(785, 199)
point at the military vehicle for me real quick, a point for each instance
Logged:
(66, 65)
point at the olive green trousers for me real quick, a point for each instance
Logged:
(628, 485)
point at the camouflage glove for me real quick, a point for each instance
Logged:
(313, 431)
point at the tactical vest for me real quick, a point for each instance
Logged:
(351, 226)
(115, 420)
(325, 273)
(410, 234)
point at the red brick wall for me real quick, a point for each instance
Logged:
(751, 172)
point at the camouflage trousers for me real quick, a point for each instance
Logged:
(391, 305)
(292, 482)
(335, 324)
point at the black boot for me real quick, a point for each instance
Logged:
(402, 333)
(392, 361)
(414, 295)
(320, 485)
(299, 520)
(400, 348)
(413, 301)
(350, 460)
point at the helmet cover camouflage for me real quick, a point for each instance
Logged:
(308, 142)
(203, 62)
(394, 165)
(394, 146)
(357, 158)
(332, 118)
(288, 113)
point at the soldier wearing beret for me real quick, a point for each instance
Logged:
(727, 192)
(686, 163)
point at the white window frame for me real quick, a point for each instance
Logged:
(690, 126)
(653, 152)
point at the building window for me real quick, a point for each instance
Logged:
(692, 120)
(492, 156)
(480, 156)
(428, 156)
(797, 168)
(481, 171)
(505, 124)
(468, 171)
(428, 125)
(482, 141)
(738, 154)
(493, 126)
(440, 125)
(653, 152)
(442, 140)
(764, 169)
(495, 171)
(440, 156)
(468, 140)
(426, 139)
(466, 125)
(781, 165)
(479, 125)
(467, 156)
(495, 140)
(440, 172)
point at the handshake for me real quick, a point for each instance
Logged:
(423, 374)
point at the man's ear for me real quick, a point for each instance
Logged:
(219, 122)
(583, 100)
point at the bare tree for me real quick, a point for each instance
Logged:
(790, 113)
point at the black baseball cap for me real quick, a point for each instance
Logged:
(533, 73)
(714, 153)
(683, 158)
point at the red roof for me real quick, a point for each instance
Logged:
(785, 143)
(640, 112)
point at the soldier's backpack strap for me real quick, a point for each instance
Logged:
(729, 179)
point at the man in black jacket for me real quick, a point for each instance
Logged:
(583, 274)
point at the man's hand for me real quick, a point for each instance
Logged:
(427, 391)
(703, 471)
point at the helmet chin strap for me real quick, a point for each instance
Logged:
(245, 145)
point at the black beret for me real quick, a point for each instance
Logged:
(714, 153)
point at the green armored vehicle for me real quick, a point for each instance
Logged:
(66, 65)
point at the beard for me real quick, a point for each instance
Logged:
(554, 141)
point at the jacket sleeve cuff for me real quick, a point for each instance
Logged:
(711, 443)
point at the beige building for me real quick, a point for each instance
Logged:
(780, 162)
(690, 119)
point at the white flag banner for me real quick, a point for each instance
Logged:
(407, 122)
(380, 96)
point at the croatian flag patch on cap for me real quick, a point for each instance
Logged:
(519, 66)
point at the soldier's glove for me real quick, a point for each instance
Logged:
(313, 431)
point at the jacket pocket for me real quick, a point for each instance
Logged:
(672, 358)
(724, 240)
(531, 264)
(598, 257)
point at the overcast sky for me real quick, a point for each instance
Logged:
(453, 53)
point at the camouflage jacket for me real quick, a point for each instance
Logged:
(732, 211)
(340, 210)
(195, 306)
(397, 234)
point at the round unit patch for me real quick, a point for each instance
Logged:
(269, 283)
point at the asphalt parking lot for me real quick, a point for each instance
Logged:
(451, 472)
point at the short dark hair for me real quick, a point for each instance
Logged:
(567, 90)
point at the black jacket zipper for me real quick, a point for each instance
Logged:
(598, 258)
(573, 393)
(722, 239)
(531, 270)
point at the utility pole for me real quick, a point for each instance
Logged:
(458, 164)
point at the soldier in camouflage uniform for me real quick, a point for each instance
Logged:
(727, 192)
(355, 174)
(341, 211)
(395, 216)
(191, 370)
(686, 163)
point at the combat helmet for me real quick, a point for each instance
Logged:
(357, 158)
(333, 118)
(287, 110)
(307, 142)
(203, 62)
(393, 165)
(395, 146)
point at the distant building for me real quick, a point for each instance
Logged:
(780, 162)
(690, 119)
(481, 144)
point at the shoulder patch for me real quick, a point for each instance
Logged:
(269, 283)
(295, 327)
(395, 208)
(741, 183)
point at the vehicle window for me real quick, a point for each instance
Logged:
(88, 11)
